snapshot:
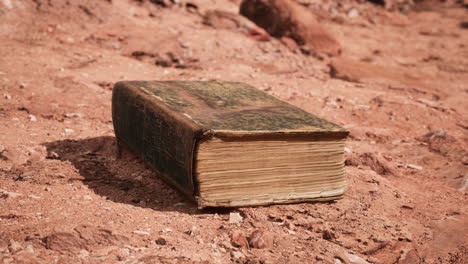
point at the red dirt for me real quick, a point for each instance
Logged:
(65, 197)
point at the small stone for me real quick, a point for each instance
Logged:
(328, 235)
(338, 261)
(70, 40)
(191, 231)
(87, 197)
(258, 239)
(396, 142)
(7, 96)
(237, 254)
(71, 115)
(141, 233)
(235, 218)
(34, 197)
(238, 239)
(32, 118)
(347, 150)
(166, 230)
(14, 246)
(83, 253)
(68, 131)
(353, 13)
(28, 249)
(413, 166)
(161, 241)
(438, 133)
(353, 259)
(6, 194)
(52, 155)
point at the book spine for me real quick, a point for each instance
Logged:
(157, 135)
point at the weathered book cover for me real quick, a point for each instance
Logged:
(164, 121)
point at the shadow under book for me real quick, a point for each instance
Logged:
(227, 144)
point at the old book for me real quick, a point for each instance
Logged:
(230, 144)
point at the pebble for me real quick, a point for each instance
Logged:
(52, 155)
(68, 131)
(32, 118)
(166, 230)
(7, 96)
(34, 196)
(161, 241)
(258, 239)
(14, 246)
(338, 261)
(438, 133)
(28, 249)
(353, 259)
(141, 233)
(191, 231)
(237, 254)
(353, 13)
(413, 166)
(87, 197)
(238, 239)
(10, 194)
(235, 218)
(71, 115)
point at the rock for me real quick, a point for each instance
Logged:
(221, 19)
(237, 254)
(377, 164)
(87, 197)
(6, 194)
(64, 242)
(68, 131)
(338, 261)
(141, 233)
(413, 166)
(258, 239)
(71, 115)
(409, 257)
(353, 13)
(191, 231)
(238, 239)
(52, 155)
(14, 246)
(328, 235)
(161, 241)
(286, 18)
(32, 118)
(34, 196)
(353, 259)
(463, 184)
(99, 236)
(235, 218)
(14, 155)
(438, 133)
(28, 249)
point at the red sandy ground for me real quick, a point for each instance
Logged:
(400, 86)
